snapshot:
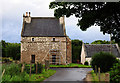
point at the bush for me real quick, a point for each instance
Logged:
(115, 72)
(5, 59)
(40, 67)
(33, 68)
(86, 63)
(13, 73)
(103, 60)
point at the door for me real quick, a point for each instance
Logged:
(53, 59)
(33, 59)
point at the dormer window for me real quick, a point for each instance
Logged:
(53, 39)
(32, 39)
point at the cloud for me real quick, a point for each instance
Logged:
(12, 12)
(12, 16)
(93, 33)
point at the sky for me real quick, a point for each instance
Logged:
(11, 18)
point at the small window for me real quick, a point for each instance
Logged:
(32, 39)
(53, 39)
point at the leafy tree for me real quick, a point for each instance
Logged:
(104, 14)
(115, 72)
(4, 45)
(76, 50)
(102, 42)
(13, 50)
(10, 50)
(103, 60)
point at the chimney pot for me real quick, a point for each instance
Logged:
(23, 15)
(26, 13)
(29, 14)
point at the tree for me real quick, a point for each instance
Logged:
(103, 60)
(4, 45)
(115, 73)
(13, 50)
(102, 42)
(10, 50)
(76, 50)
(105, 15)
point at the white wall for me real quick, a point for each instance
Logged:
(89, 60)
(83, 55)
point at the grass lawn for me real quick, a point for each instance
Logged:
(95, 77)
(42, 76)
(72, 65)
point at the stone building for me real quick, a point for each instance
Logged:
(44, 38)
(88, 50)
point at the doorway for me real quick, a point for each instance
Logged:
(53, 59)
(32, 58)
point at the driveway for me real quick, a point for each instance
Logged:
(69, 74)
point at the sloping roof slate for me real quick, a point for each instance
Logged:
(91, 49)
(43, 27)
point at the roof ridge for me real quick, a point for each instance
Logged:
(43, 18)
(100, 44)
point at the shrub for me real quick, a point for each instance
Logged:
(115, 72)
(27, 68)
(40, 67)
(5, 59)
(103, 60)
(13, 73)
(33, 68)
(86, 63)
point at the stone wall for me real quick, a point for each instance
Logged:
(40, 47)
(69, 51)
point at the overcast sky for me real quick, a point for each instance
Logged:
(12, 16)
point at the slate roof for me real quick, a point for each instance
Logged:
(43, 27)
(91, 49)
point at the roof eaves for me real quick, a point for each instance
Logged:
(23, 28)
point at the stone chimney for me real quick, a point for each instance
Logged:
(62, 23)
(27, 18)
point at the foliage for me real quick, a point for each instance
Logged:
(95, 77)
(102, 42)
(4, 45)
(71, 65)
(104, 14)
(11, 50)
(33, 68)
(42, 76)
(76, 50)
(86, 63)
(40, 68)
(115, 72)
(13, 73)
(103, 60)
(5, 59)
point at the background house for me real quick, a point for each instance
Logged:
(44, 38)
(88, 50)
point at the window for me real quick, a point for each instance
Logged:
(32, 39)
(53, 39)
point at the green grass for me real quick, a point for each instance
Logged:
(72, 65)
(42, 76)
(13, 73)
(95, 77)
